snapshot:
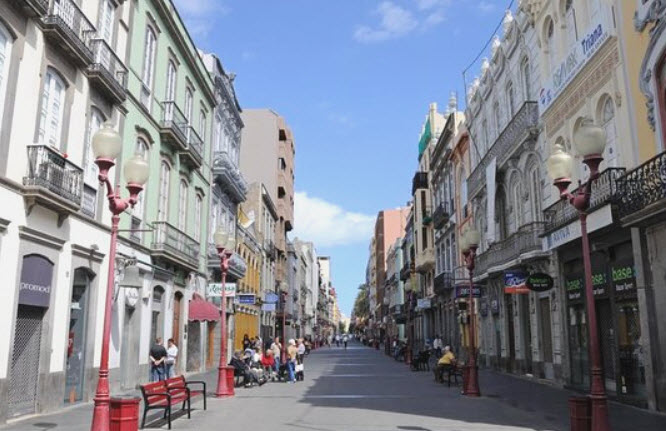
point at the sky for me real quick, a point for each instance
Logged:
(353, 79)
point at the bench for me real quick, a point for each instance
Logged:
(179, 384)
(452, 371)
(421, 361)
(156, 396)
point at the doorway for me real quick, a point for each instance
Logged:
(24, 370)
(78, 322)
(175, 329)
(546, 338)
(511, 334)
(526, 331)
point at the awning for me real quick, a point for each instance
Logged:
(202, 310)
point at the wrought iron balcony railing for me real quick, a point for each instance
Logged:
(520, 126)
(33, 8)
(441, 215)
(228, 176)
(67, 26)
(641, 192)
(420, 181)
(107, 71)
(174, 244)
(53, 178)
(195, 148)
(444, 282)
(561, 213)
(174, 125)
(526, 239)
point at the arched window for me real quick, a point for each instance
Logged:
(52, 110)
(550, 43)
(171, 79)
(525, 70)
(218, 132)
(189, 99)
(5, 55)
(535, 192)
(182, 205)
(90, 168)
(510, 99)
(498, 119)
(517, 204)
(106, 20)
(198, 205)
(608, 123)
(570, 20)
(202, 125)
(147, 78)
(163, 198)
(142, 150)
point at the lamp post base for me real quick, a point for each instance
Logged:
(472, 382)
(101, 418)
(599, 410)
(225, 382)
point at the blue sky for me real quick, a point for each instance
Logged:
(354, 79)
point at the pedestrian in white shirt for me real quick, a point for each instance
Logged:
(437, 345)
(172, 354)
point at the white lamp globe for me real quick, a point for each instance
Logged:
(106, 142)
(231, 242)
(220, 237)
(464, 244)
(473, 238)
(136, 170)
(589, 139)
(559, 164)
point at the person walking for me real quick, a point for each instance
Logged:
(300, 358)
(158, 355)
(337, 340)
(276, 347)
(172, 354)
(246, 342)
(437, 345)
(292, 354)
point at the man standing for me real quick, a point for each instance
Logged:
(292, 353)
(158, 355)
(437, 345)
(345, 340)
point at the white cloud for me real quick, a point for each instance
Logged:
(327, 224)
(486, 6)
(395, 21)
(199, 14)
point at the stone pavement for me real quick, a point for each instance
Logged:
(361, 389)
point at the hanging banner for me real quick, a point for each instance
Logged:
(215, 290)
(515, 282)
(491, 173)
(271, 298)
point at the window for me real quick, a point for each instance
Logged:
(218, 133)
(214, 220)
(149, 49)
(517, 205)
(188, 106)
(182, 205)
(535, 193)
(525, 69)
(550, 45)
(202, 124)
(89, 166)
(608, 121)
(172, 77)
(5, 55)
(511, 99)
(106, 18)
(463, 192)
(570, 19)
(498, 119)
(51, 116)
(163, 200)
(141, 149)
(198, 204)
(282, 164)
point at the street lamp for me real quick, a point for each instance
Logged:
(107, 145)
(469, 242)
(590, 141)
(283, 298)
(225, 242)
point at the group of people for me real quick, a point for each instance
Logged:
(260, 362)
(163, 360)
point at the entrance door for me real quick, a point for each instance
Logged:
(175, 331)
(546, 338)
(25, 360)
(194, 346)
(78, 318)
(608, 344)
(508, 300)
(526, 330)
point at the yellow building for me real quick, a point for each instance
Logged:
(248, 291)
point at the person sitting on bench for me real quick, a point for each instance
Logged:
(243, 369)
(445, 364)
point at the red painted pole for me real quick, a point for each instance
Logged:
(223, 387)
(597, 390)
(101, 418)
(472, 389)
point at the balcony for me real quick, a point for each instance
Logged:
(441, 216)
(228, 177)
(523, 125)
(195, 148)
(107, 73)
(444, 282)
(420, 181)
(521, 246)
(33, 8)
(237, 266)
(405, 272)
(174, 245)
(67, 28)
(52, 181)
(604, 188)
(425, 260)
(269, 247)
(174, 127)
(641, 193)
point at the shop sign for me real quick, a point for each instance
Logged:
(271, 298)
(598, 219)
(246, 299)
(575, 286)
(423, 303)
(514, 282)
(579, 55)
(463, 291)
(215, 290)
(624, 278)
(539, 282)
(35, 284)
(268, 307)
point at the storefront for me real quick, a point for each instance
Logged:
(618, 318)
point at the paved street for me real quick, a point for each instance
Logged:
(361, 389)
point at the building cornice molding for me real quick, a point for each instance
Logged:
(36, 236)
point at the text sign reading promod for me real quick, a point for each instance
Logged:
(539, 282)
(35, 284)
(215, 290)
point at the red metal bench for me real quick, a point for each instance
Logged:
(157, 396)
(178, 384)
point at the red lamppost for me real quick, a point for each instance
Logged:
(469, 243)
(107, 145)
(283, 351)
(590, 141)
(225, 242)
